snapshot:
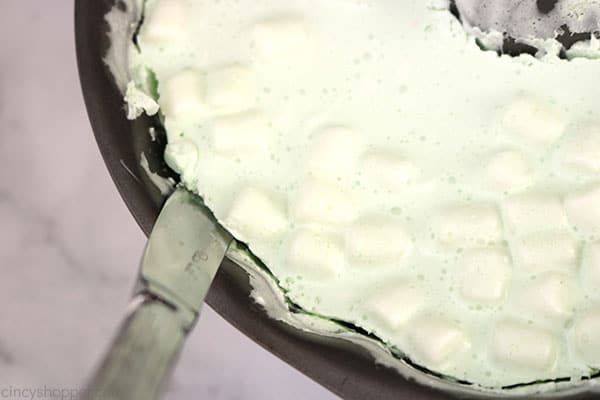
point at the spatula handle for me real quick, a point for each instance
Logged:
(142, 355)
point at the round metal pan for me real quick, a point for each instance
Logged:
(345, 368)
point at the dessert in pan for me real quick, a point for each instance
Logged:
(395, 170)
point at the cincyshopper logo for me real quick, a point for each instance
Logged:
(46, 393)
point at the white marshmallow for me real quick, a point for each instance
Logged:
(378, 240)
(316, 255)
(533, 120)
(181, 155)
(389, 169)
(581, 151)
(583, 210)
(320, 201)
(183, 95)
(165, 22)
(545, 251)
(255, 214)
(509, 170)
(138, 102)
(468, 225)
(485, 275)
(282, 40)
(396, 304)
(231, 89)
(534, 212)
(587, 337)
(435, 340)
(519, 345)
(335, 152)
(238, 134)
(550, 296)
(590, 269)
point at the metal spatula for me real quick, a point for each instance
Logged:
(181, 259)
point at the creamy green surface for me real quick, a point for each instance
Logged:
(393, 175)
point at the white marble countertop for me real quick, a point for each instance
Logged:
(69, 248)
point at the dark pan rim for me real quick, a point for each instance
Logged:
(344, 368)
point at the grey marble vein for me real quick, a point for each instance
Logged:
(6, 356)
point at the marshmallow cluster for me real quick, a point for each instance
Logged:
(459, 225)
